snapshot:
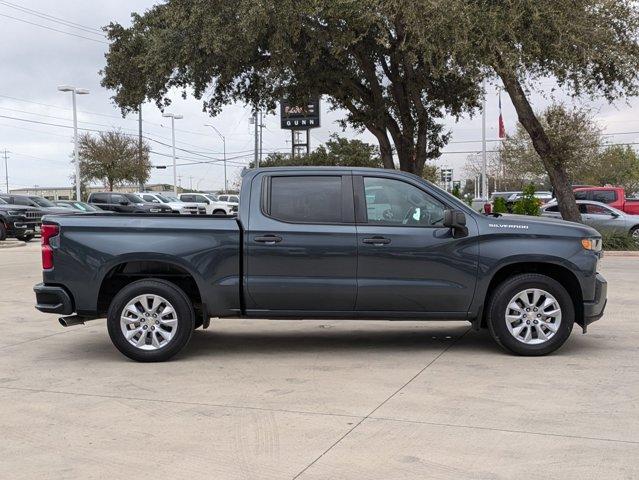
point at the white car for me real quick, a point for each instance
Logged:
(177, 205)
(232, 200)
(210, 203)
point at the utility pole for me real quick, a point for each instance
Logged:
(226, 186)
(257, 139)
(261, 135)
(140, 144)
(484, 161)
(75, 91)
(173, 118)
(6, 169)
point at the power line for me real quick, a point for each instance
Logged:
(54, 29)
(51, 18)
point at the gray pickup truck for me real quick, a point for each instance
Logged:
(349, 243)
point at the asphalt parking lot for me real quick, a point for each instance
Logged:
(316, 399)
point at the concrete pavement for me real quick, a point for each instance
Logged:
(316, 399)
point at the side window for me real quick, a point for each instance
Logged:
(308, 199)
(604, 196)
(117, 198)
(597, 210)
(150, 198)
(223, 198)
(21, 201)
(581, 195)
(394, 202)
(554, 209)
(187, 198)
(202, 199)
(99, 198)
(234, 199)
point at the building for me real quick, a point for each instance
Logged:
(67, 193)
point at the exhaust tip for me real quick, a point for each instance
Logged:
(72, 320)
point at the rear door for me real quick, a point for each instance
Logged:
(301, 244)
(101, 200)
(602, 218)
(408, 261)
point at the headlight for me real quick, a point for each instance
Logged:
(593, 244)
(15, 213)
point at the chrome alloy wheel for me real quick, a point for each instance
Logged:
(148, 322)
(533, 316)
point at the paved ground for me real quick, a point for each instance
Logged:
(317, 399)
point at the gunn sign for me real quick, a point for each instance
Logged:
(296, 117)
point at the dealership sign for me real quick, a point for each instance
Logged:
(300, 117)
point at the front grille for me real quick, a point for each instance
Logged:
(234, 208)
(33, 215)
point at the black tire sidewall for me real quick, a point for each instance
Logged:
(3, 231)
(181, 303)
(507, 290)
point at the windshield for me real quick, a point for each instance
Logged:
(42, 202)
(163, 199)
(211, 197)
(2, 201)
(85, 207)
(133, 198)
(170, 198)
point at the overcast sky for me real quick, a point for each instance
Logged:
(36, 59)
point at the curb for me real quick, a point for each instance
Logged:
(5, 244)
(621, 253)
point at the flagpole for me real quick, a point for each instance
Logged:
(484, 179)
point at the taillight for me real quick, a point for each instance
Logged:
(47, 232)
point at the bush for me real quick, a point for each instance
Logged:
(618, 241)
(500, 205)
(528, 204)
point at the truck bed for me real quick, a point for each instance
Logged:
(98, 246)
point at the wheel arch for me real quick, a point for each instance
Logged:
(558, 272)
(127, 271)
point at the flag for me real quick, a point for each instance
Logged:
(502, 129)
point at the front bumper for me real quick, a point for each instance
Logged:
(594, 309)
(53, 299)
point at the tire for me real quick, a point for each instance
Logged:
(153, 345)
(525, 336)
(3, 232)
(26, 238)
(219, 212)
(634, 233)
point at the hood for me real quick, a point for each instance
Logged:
(56, 210)
(21, 208)
(508, 223)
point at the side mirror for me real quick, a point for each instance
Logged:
(123, 202)
(614, 215)
(456, 220)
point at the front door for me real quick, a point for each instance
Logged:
(408, 261)
(301, 244)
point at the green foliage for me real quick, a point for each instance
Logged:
(618, 241)
(528, 204)
(500, 205)
(113, 158)
(368, 58)
(616, 165)
(430, 172)
(457, 191)
(337, 152)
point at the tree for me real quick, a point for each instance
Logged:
(616, 165)
(528, 204)
(113, 158)
(577, 139)
(336, 152)
(367, 57)
(589, 47)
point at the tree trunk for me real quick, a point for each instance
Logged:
(385, 146)
(543, 146)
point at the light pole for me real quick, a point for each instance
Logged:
(173, 118)
(226, 188)
(75, 91)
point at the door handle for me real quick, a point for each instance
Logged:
(377, 241)
(268, 239)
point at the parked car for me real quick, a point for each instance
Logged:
(210, 203)
(600, 216)
(324, 242)
(176, 205)
(613, 196)
(79, 206)
(231, 200)
(39, 203)
(125, 203)
(543, 197)
(19, 222)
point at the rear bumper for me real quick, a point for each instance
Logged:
(53, 299)
(594, 310)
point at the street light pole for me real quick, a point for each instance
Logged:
(75, 91)
(173, 118)
(226, 187)
(484, 160)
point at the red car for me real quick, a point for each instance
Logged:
(613, 196)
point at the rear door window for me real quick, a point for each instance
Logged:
(306, 199)
(604, 196)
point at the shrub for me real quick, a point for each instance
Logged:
(618, 241)
(500, 205)
(528, 204)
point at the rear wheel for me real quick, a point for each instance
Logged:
(3, 232)
(530, 314)
(219, 212)
(634, 234)
(150, 320)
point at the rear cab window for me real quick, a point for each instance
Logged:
(308, 199)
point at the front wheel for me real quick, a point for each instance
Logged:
(26, 238)
(530, 314)
(219, 212)
(150, 320)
